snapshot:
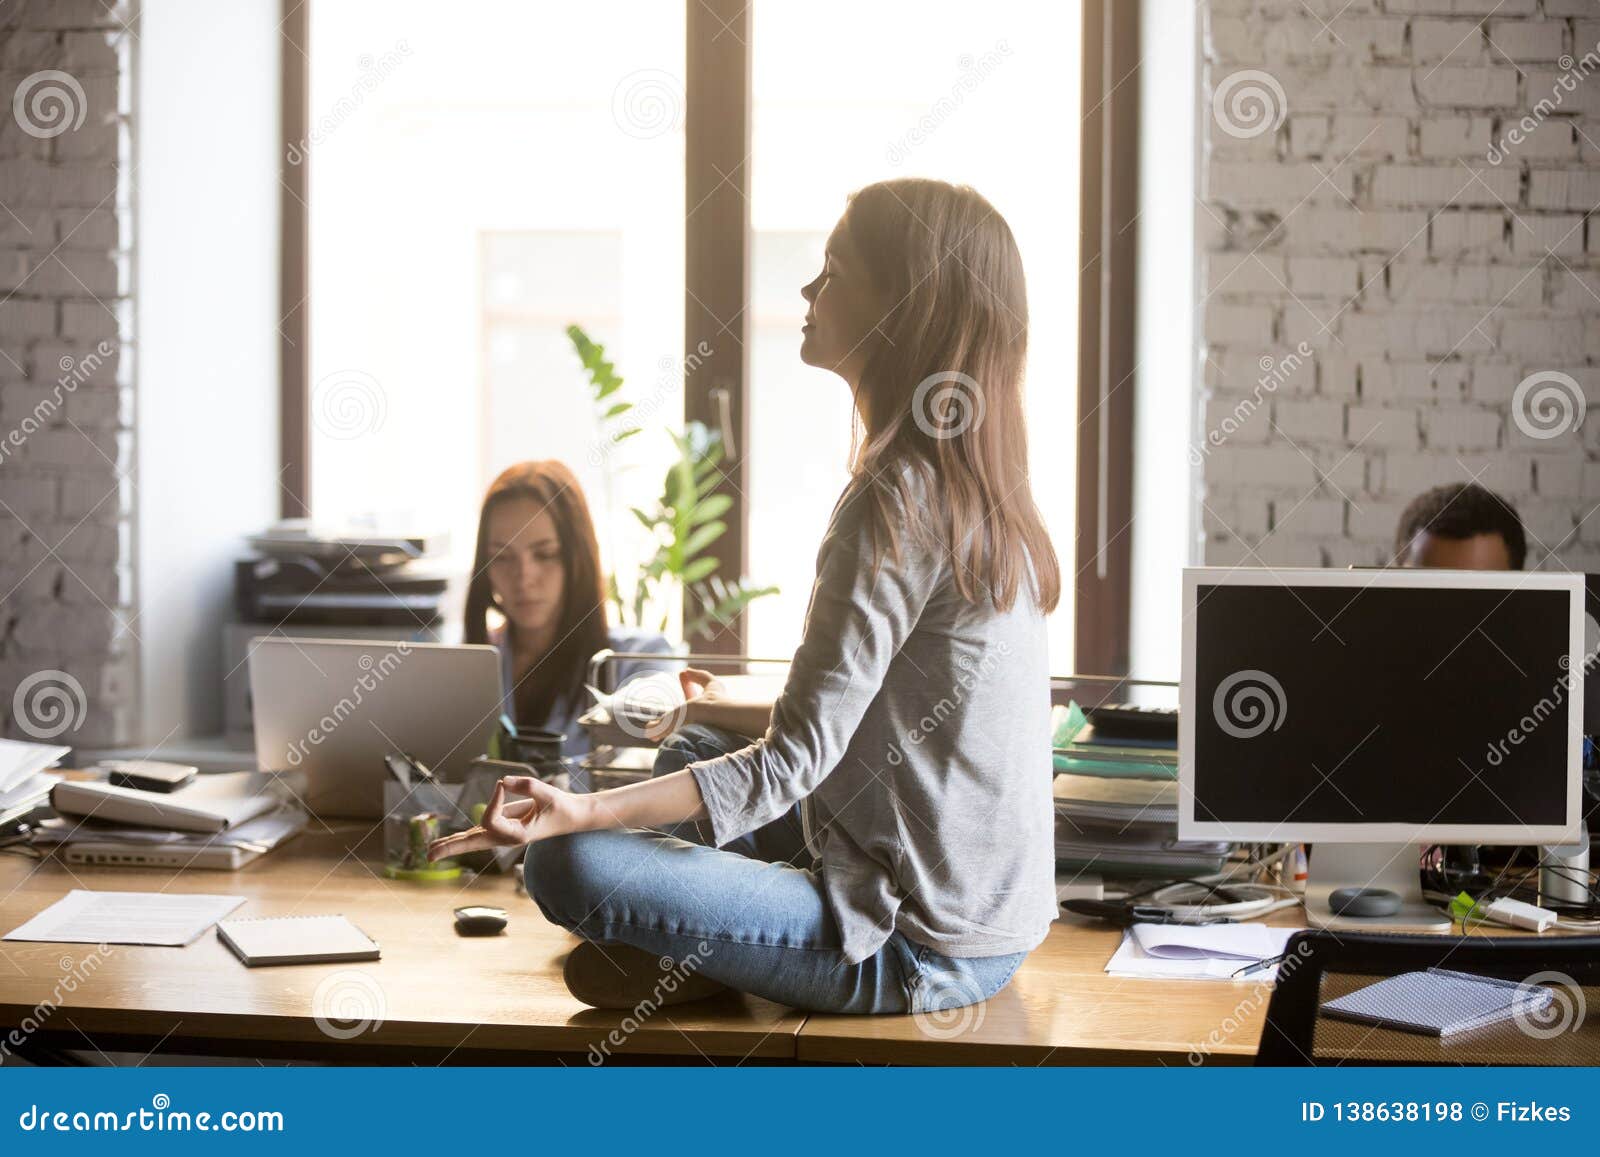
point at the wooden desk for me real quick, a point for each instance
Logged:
(442, 997)
(1062, 1008)
(445, 999)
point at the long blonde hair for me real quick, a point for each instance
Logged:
(941, 389)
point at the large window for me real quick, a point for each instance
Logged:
(481, 175)
(980, 94)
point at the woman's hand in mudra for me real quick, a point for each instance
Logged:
(541, 812)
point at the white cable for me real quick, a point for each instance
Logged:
(1269, 898)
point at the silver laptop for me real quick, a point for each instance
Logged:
(333, 709)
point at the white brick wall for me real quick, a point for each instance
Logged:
(1404, 186)
(67, 632)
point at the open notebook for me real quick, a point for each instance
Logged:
(296, 940)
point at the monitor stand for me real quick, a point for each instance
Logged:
(1391, 866)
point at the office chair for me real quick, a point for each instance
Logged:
(1322, 965)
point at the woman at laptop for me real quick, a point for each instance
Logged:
(913, 729)
(537, 566)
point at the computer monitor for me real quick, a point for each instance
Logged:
(1368, 712)
(1591, 640)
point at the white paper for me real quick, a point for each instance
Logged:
(20, 760)
(1243, 942)
(32, 787)
(164, 918)
(1264, 943)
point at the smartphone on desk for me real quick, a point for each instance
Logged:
(148, 774)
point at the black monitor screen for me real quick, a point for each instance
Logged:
(1375, 704)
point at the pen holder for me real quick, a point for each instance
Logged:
(415, 817)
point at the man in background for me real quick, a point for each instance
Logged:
(1462, 526)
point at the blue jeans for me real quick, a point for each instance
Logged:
(752, 915)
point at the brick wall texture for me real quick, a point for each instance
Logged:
(1401, 279)
(67, 632)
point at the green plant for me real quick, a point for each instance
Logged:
(683, 523)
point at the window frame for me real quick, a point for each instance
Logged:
(717, 125)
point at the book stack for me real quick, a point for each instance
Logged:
(1116, 803)
(215, 821)
(24, 781)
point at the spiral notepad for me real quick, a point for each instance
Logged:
(1438, 1002)
(296, 940)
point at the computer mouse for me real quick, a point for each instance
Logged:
(479, 920)
(1364, 902)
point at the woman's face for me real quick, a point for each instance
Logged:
(525, 564)
(843, 309)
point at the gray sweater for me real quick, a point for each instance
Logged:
(916, 726)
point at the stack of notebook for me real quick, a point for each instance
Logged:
(1116, 802)
(215, 821)
(24, 781)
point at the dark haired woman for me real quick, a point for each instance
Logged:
(914, 724)
(537, 564)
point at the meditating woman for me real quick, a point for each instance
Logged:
(913, 727)
(537, 565)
